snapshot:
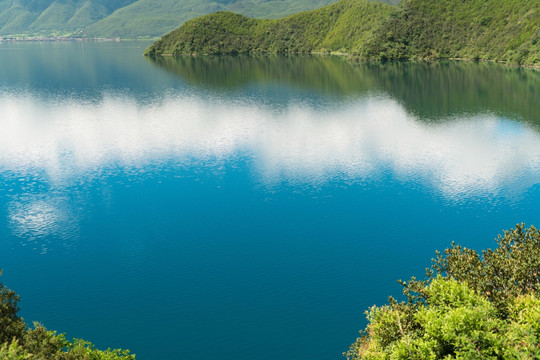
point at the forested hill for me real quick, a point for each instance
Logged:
(499, 30)
(127, 18)
(342, 26)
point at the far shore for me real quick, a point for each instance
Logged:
(53, 39)
(353, 58)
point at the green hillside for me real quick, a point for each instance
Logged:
(337, 27)
(53, 17)
(153, 18)
(499, 30)
(127, 18)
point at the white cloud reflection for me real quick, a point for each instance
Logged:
(299, 143)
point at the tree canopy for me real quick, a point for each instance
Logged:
(472, 306)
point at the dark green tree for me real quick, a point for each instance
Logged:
(500, 274)
(11, 325)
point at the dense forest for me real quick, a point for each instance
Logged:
(501, 30)
(342, 26)
(498, 30)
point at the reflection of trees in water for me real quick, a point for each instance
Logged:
(440, 89)
(329, 74)
(430, 90)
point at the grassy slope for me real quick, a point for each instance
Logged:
(337, 27)
(128, 18)
(144, 18)
(17, 16)
(52, 17)
(500, 30)
(58, 13)
(86, 15)
(151, 18)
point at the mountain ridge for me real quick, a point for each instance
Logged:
(127, 18)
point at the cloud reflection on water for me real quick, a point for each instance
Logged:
(299, 143)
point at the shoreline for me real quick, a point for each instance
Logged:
(53, 39)
(354, 59)
(67, 39)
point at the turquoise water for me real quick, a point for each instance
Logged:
(246, 208)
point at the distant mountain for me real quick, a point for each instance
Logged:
(53, 17)
(157, 17)
(497, 30)
(128, 18)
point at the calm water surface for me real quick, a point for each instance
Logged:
(246, 208)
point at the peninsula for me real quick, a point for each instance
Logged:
(505, 31)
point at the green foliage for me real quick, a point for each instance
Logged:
(155, 18)
(11, 326)
(13, 351)
(482, 308)
(85, 350)
(42, 344)
(19, 343)
(499, 30)
(512, 269)
(338, 27)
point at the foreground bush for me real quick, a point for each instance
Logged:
(471, 307)
(17, 342)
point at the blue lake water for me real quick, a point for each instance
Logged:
(246, 207)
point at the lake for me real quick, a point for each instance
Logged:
(247, 207)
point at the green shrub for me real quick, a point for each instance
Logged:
(471, 307)
(11, 326)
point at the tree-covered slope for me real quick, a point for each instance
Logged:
(499, 30)
(337, 27)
